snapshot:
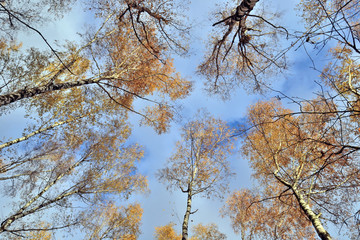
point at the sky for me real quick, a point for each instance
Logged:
(161, 206)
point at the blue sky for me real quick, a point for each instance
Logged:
(160, 206)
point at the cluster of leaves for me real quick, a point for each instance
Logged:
(200, 232)
(257, 217)
(201, 158)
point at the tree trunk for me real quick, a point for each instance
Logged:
(7, 144)
(315, 220)
(27, 93)
(245, 7)
(185, 224)
(24, 212)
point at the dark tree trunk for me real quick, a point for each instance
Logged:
(185, 224)
(245, 7)
(30, 92)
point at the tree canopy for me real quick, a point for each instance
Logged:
(74, 168)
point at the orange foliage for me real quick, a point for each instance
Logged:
(94, 167)
(337, 72)
(8, 46)
(119, 63)
(110, 221)
(282, 139)
(342, 75)
(199, 165)
(36, 235)
(207, 232)
(256, 218)
(158, 116)
(295, 157)
(200, 232)
(129, 71)
(166, 232)
(316, 12)
(201, 158)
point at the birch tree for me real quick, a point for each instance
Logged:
(61, 180)
(300, 165)
(199, 165)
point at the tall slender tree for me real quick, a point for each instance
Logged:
(199, 165)
(302, 166)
